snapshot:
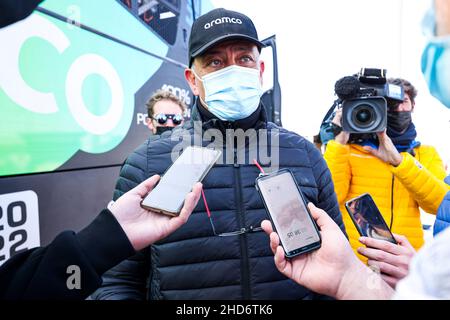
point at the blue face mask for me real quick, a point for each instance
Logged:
(232, 93)
(436, 60)
(436, 69)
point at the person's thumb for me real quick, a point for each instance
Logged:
(146, 186)
(382, 136)
(322, 219)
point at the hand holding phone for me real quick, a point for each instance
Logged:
(289, 213)
(190, 167)
(331, 270)
(368, 219)
(143, 227)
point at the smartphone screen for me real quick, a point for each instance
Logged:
(368, 219)
(190, 167)
(289, 214)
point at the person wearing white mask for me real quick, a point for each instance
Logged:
(221, 252)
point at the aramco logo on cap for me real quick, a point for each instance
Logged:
(222, 20)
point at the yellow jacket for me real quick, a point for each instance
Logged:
(397, 191)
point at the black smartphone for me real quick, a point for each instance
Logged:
(288, 212)
(368, 219)
(190, 167)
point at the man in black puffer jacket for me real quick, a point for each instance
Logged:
(194, 263)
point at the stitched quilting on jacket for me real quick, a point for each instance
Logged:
(443, 215)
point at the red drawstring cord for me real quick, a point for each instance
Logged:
(206, 204)
(208, 213)
(259, 167)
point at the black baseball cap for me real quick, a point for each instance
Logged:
(219, 25)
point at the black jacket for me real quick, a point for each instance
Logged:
(12, 11)
(44, 273)
(192, 263)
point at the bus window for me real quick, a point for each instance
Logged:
(160, 15)
(127, 3)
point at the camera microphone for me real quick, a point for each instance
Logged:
(347, 87)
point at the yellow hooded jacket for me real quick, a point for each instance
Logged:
(397, 191)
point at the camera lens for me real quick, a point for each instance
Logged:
(363, 115)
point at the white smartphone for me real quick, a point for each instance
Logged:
(190, 167)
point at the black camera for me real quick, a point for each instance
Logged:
(365, 98)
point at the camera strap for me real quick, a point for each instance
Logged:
(331, 110)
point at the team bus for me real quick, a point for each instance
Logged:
(74, 80)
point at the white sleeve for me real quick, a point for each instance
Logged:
(429, 272)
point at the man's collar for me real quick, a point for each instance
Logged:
(256, 120)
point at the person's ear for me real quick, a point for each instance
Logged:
(261, 70)
(150, 125)
(192, 81)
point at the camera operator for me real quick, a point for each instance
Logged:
(400, 174)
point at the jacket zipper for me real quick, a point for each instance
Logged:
(392, 203)
(245, 268)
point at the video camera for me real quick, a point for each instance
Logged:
(365, 98)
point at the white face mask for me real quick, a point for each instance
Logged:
(232, 93)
